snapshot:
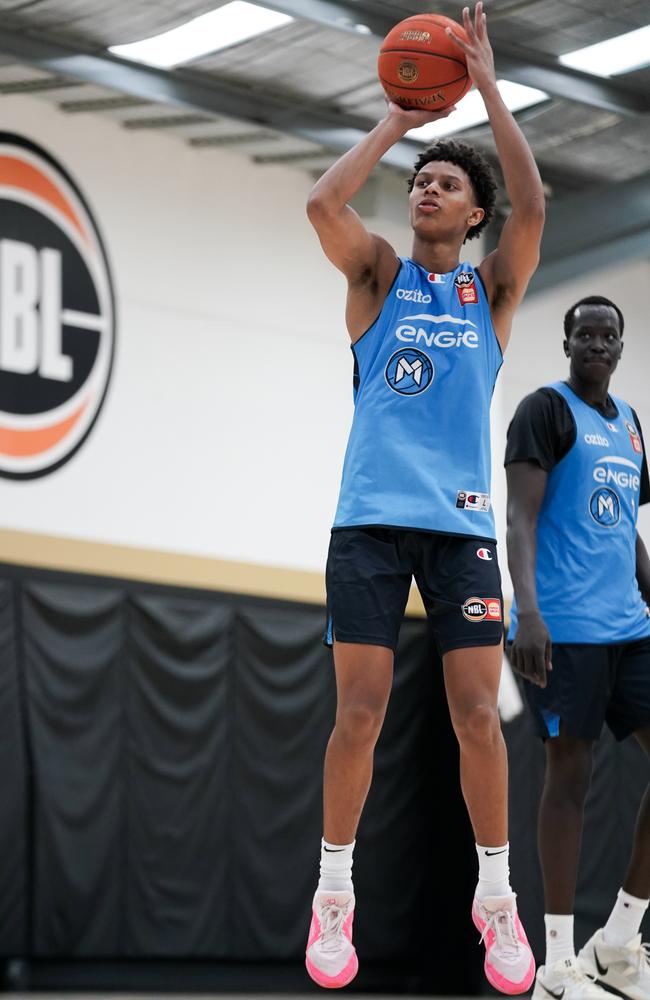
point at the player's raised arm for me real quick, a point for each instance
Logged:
(368, 261)
(509, 268)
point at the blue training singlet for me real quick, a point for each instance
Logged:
(418, 455)
(586, 532)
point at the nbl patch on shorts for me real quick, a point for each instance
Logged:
(466, 288)
(472, 501)
(475, 609)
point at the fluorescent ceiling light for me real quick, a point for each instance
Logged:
(232, 23)
(616, 55)
(471, 110)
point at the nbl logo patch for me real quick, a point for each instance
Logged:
(475, 609)
(409, 371)
(57, 330)
(466, 288)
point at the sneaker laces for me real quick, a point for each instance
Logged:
(331, 926)
(503, 924)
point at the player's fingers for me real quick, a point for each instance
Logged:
(538, 667)
(460, 42)
(467, 24)
(481, 22)
(548, 652)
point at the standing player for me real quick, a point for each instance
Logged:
(428, 334)
(576, 475)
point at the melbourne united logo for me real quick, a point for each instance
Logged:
(409, 371)
(605, 507)
(57, 332)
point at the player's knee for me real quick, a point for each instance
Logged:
(359, 724)
(569, 777)
(478, 726)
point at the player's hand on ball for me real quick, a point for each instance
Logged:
(530, 654)
(413, 117)
(477, 48)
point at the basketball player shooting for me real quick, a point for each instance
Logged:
(428, 333)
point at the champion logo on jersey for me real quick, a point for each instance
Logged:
(472, 501)
(436, 279)
(613, 427)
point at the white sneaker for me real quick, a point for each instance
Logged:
(509, 963)
(331, 957)
(565, 980)
(624, 970)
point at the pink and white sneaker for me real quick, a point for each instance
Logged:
(509, 963)
(331, 958)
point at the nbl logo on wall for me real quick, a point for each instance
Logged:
(57, 332)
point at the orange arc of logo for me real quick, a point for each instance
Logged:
(24, 443)
(16, 173)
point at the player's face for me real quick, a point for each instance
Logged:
(443, 201)
(595, 343)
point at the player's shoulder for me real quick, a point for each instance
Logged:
(546, 401)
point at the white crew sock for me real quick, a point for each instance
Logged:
(559, 937)
(493, 871)
(625, 919)
(336, 867)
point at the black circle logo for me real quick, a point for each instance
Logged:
(57, 313)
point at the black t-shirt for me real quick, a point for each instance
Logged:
(543, 430)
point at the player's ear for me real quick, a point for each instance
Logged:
(477, 215)
(567, 352)
(621, 350)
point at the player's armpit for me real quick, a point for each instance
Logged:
(346, 242)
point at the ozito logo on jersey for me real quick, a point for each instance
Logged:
(605, 507)
(475, 609)
(56, 313)
(466, 288)
(413, 295)
(634, 437)
(472, 501)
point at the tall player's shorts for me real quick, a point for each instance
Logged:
(369, 573)
(592, 685)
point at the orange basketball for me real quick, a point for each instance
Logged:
(419, 66)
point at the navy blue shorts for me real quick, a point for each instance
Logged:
(369, 573)
(591, 685)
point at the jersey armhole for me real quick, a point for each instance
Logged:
(477, 271)
(387, 296)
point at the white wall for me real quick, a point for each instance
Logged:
(225, 425)
(231, 396)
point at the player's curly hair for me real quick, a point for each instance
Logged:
(591, 300)
(475, 166)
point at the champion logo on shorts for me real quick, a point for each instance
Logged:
(475, 609)
(484, 554)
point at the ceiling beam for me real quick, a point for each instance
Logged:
(335, 131)
(514, 62)
(604, 226)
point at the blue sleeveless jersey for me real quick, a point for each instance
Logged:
(419, 449)
(586, 532)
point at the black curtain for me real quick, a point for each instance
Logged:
(621, 774)
(163, 756)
